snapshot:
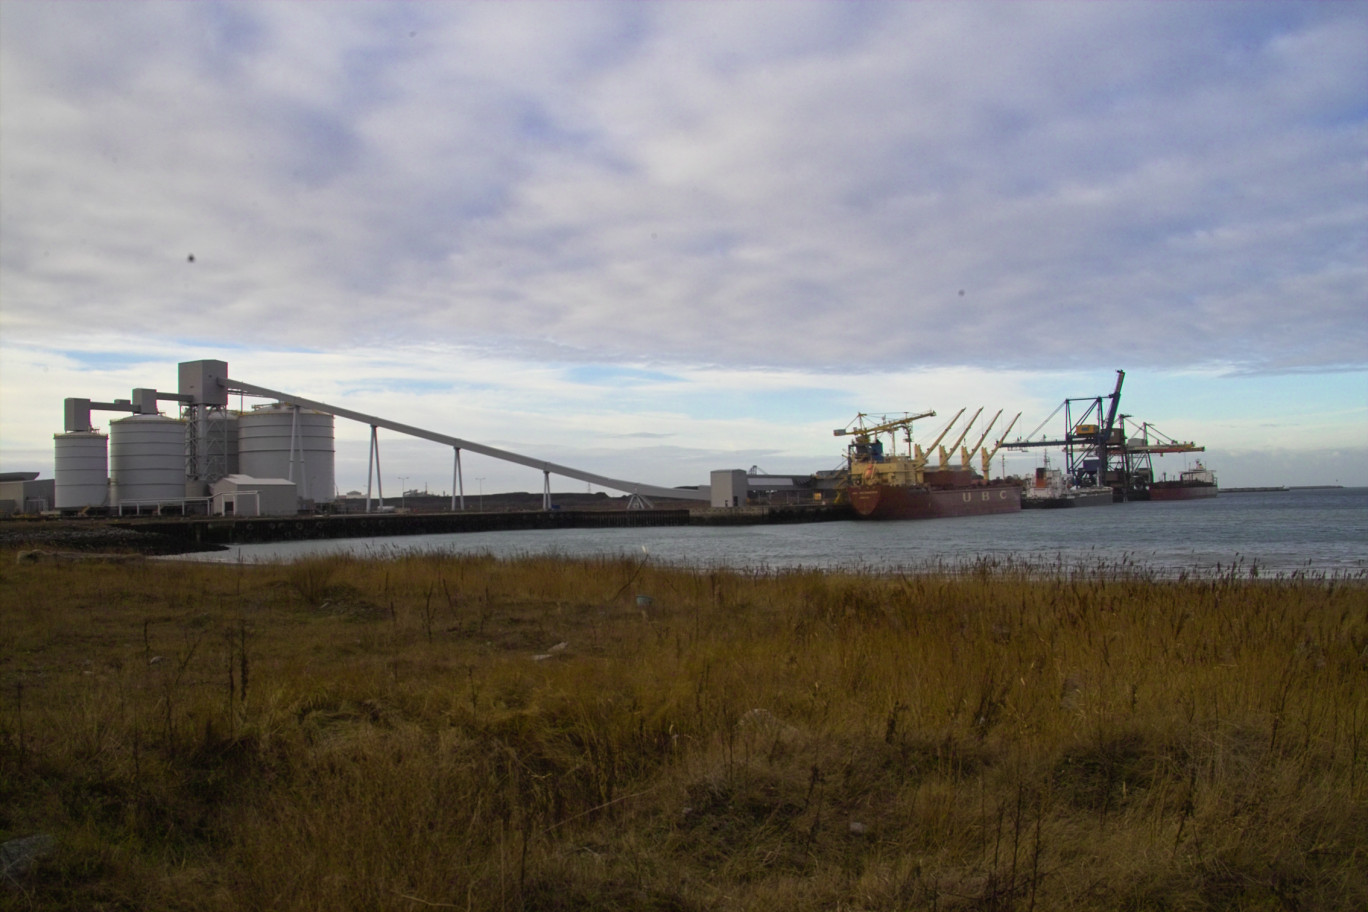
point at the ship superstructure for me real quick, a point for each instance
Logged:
(1050, 488)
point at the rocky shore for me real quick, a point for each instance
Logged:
(89, 537)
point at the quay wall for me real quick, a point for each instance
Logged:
(217, 531)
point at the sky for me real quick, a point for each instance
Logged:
(653, 240)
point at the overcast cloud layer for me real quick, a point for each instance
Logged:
(724, 226)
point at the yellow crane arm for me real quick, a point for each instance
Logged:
(935, 443)
(968, 452)
(922, 456)
(989, 454)
(965, 433)
(861, 429)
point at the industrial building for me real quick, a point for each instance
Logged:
(274, 458)
(25, 492)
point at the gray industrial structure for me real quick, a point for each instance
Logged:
(274, 458)
(25, 492)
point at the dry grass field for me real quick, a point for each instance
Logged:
(441, 732)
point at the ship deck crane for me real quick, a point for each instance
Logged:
(864, 433)
(967, 453)
(867, 452)
(988, 455)
(921, 456)
(945, 452)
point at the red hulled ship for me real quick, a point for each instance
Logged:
(889, 485)
(1192, 484)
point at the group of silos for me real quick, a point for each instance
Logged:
(159, 460)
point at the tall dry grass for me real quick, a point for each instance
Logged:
(464, 732)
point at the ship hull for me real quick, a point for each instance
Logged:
(879, 501)
(1179, 491)
(1094, 497)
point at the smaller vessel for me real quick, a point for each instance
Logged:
(1192, 484)
(1051, 490)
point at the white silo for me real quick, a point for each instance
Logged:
(146, 459)
(225, 424)
(264, 448)
(81, 473)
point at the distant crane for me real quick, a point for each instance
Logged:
(1096, 448)
(1087, 438)
(1138, 452)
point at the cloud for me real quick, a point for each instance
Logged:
(720, 222)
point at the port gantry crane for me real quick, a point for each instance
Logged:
(1138, 451)
(1097, 450)
(1089, 440)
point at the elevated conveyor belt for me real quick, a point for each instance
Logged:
(547, 468)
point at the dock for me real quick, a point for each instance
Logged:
(213, 532)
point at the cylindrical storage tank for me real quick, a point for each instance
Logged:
(81, 475)
(146, 459)
(264, 437)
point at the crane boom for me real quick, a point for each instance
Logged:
(986, 431)
(884, 426)
(922, 456)
(946, 451)
(1115, 403)
(967, 453)
(965, 433)
(989, 454)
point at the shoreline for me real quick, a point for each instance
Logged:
(163, 536)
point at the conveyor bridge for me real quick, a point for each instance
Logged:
(640, 492)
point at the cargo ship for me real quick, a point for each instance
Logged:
(1051, 490)
(1192, 484)
(880, 484)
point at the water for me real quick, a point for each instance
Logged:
(1272, 534)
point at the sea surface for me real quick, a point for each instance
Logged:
(1269, 534)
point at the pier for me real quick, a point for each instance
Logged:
(212, 532)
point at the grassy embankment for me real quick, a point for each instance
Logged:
(462, 732)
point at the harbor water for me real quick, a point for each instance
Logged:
(1323, 532)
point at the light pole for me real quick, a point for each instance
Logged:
(403, 484)
(481, 481)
